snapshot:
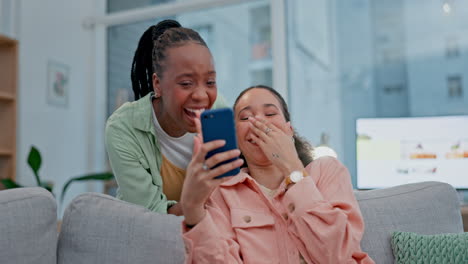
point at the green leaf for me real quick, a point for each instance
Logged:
(105, 176)
(34, 161)
(10, 184)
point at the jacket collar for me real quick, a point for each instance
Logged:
(143, 114)
(244, 177)
(239, 178)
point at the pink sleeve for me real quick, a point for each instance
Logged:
(325, 215)
(212, 240)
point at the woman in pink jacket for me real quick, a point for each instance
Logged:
(282, 208)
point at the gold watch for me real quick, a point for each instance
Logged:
(296, 176)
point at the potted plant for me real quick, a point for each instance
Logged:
(35, 162)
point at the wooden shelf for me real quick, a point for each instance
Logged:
(6, 96)
(7, 41)
(5, 152)
(8, 93)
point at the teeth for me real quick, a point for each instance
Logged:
(195, 110)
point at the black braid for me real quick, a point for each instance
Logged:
(150, 54)
(141, 71)
(142, 65)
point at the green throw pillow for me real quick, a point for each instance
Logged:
(409, 248)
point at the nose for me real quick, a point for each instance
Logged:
(200, 94)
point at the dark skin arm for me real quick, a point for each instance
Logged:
(176, 209)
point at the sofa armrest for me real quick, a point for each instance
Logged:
(424, 208)
(28, 226)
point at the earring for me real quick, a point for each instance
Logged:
(292, 139)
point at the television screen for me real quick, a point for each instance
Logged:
(395, 151)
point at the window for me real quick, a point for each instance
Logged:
(124, 5)
(239, 37)
(452, 50)
(356, 59)
(454, 85)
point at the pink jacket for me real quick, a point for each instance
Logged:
(318, 218)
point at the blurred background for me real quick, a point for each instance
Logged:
(335, 61)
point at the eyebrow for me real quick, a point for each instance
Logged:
(264, 106)
(192, 74)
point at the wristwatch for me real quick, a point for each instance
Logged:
(296, 176)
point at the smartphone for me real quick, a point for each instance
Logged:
(219, 124)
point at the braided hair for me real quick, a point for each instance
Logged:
(303, 147)
(151, 52)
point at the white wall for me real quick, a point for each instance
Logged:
(8, 15)
(52, 30)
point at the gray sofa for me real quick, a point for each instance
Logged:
(97, 228)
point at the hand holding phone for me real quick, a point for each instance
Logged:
(216, 125)
(219, 124)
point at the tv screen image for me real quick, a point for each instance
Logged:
(395, 151)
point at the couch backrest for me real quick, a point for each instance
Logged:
(28, 226)
(98, 228)
(424, 208)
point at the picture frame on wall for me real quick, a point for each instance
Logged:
(58, 76)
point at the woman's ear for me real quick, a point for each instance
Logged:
(156, 86)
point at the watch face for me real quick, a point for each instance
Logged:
(296, 176)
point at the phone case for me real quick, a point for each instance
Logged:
(219, 124)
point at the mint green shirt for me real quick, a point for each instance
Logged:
(135, 156)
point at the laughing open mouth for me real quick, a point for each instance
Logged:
(192, 112)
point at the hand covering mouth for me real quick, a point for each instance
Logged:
(251, 141)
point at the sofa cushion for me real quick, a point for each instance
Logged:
(443, 248)
(28, 226)
(424, 208)
(98, 228)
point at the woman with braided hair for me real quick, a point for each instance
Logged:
(150, 140)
